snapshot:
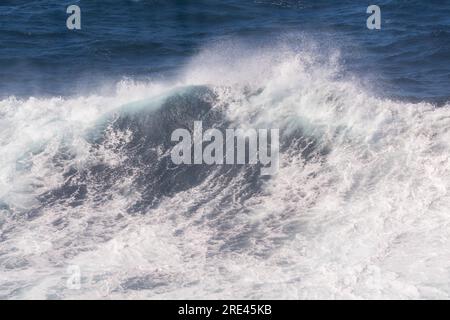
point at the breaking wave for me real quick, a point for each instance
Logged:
(357, 209)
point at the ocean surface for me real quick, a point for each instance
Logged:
(91, 205)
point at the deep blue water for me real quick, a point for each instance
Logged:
(409, 58)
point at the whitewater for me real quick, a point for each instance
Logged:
(359, 207)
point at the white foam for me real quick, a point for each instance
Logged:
(367, 220)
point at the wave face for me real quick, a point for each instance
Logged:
(357, 209)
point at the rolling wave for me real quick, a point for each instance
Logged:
(357, 209)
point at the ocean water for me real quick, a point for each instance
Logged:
(91, 205)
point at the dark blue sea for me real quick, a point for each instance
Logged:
(409, 58)
(93, 205)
